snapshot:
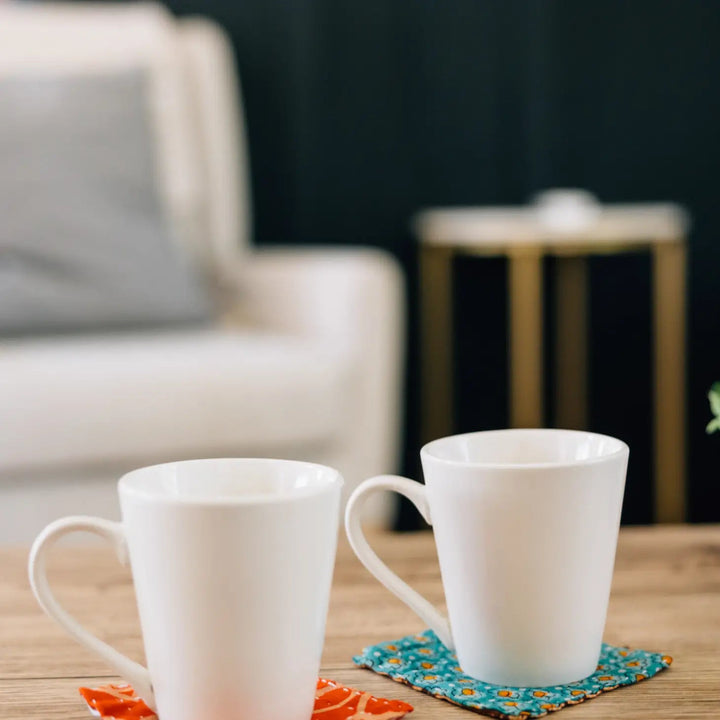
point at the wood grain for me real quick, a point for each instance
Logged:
(666, 597)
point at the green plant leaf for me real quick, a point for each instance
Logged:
(714, 398)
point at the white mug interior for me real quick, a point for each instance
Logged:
(519, 448)
(229, 480)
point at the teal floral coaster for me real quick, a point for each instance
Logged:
(424, 663)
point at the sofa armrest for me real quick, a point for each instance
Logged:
(342, 295)
(354, 301)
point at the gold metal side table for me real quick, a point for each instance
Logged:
(519, 235)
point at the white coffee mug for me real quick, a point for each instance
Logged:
(526, 525)
(232, 562)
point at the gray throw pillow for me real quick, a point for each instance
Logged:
(84, 242)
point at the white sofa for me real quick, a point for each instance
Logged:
(304, 360)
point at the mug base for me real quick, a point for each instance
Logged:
(524, 679)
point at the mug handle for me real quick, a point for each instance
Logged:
(416, 494)
(113, 532)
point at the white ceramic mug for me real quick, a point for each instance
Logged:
(526, 525)
(232, 562)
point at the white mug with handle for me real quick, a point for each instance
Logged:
(232, 561)
(526, 525)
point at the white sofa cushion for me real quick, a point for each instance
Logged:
(152, 398)
(109, 38)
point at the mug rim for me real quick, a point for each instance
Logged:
(128, 484)
(426, 452)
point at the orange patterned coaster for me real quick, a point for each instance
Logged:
(332, 702)
(116, 702)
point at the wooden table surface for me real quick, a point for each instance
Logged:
(666, 597)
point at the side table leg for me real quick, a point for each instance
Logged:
(525, 287)
(571, 312)
(669, 339)
(436, 342)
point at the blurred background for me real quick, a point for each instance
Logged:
(360, 114)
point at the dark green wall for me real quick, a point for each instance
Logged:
(362, 112)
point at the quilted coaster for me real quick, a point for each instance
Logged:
(424, 663)
(332, 702)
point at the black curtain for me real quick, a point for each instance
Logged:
(360, 113)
